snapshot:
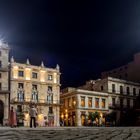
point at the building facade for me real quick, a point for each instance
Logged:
(128, 72)
(4, 84)
(79, 103)
(35, 85)
(109, 95)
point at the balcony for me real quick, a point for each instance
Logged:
(40, 102)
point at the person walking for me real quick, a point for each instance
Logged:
(33, 115)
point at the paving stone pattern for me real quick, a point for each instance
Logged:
(70, 133)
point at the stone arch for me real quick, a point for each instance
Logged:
(1, 112)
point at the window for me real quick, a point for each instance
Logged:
(0, 53)
(49, 89)
(128, 103)
(50, 98)
(113, 88)
(127, 90)
(34, 87)
(121, 102)
(20, 73)
(134, 91)
(34, 93)
(50, 110)
(0, 86)
(102, 88)
(20, 94)
(73, 101)
(50, 77)
(0, 75)
(0, 64)
(90, 102)
(82, 101)
(121, 89)
(113, 101)
(69, 102)
(34, 75)
(97, 102)
(20, 85)
(103, 103)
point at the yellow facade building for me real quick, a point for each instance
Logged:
(35, 85)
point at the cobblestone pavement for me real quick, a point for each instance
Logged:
(70, 133)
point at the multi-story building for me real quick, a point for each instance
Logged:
(122, 94)
(103, 96)
(79, 103)
(128, 72)
(4, 83)
(35, 85)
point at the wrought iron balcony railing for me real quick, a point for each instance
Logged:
(39, 101)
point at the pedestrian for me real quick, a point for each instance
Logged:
(33, 115)
(13, 120)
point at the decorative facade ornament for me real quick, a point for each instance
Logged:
(27, 62)
(42, 64)
(12, 59)
(57, 67)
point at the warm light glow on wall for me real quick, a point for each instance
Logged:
(55, 77)
(42, 76)
(28, 73)
(40, 117)
(15, 72)
(26, 117)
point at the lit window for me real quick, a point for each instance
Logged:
(90, 102)
(34, 75)
(97, 102)
(20, 73)
(82, 101)
(50, 77)
(73, 101)
(103, 103)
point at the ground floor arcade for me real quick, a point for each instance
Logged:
(82, 117)
(47, 115)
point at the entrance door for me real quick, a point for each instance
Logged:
(1, 112)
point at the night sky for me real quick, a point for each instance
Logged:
(83, 37)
